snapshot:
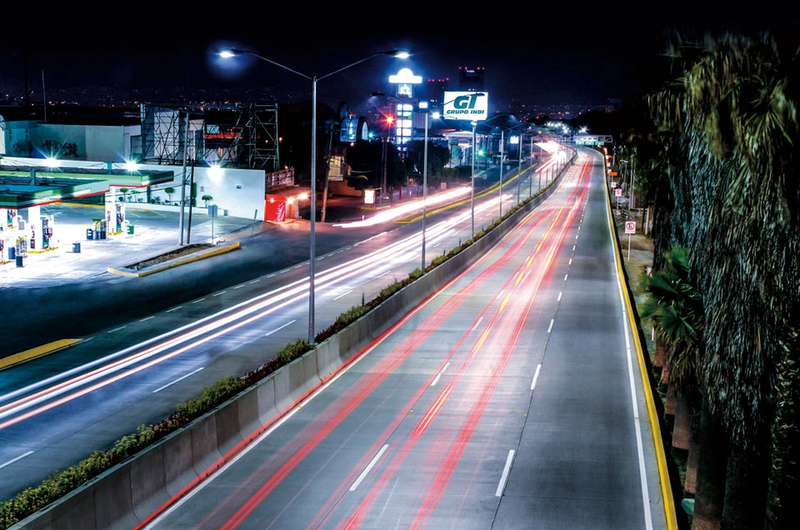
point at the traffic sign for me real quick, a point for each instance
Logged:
(630, 227)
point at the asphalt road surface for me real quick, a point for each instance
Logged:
(137, 347)
(508, 400)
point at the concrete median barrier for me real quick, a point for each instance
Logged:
(329, 359)
(149, 482)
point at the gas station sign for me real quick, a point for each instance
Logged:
(470, 106)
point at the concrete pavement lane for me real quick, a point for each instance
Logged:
(506, 401)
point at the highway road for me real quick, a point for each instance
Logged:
(159, 340)
(509, 399)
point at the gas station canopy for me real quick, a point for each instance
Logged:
(23, 187)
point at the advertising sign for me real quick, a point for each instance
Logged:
(470, 106)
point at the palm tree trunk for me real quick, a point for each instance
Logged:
(693, 458)
(783, 510)
(711, 470)
(745, 490)
(660, 354)
(681, 430)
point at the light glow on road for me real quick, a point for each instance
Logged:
(69, 385)
(403, 210)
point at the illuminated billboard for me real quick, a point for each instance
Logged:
(471, 106)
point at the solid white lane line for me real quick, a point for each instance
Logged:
(178, 380)
(369, 467)
(280, 328)
(535, 376)
(441, 372)
(502, 485)
(20, 457)
(344, 294)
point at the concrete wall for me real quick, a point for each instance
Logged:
(132, 491)
(13, 132)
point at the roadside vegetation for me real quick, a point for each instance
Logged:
(715, 170)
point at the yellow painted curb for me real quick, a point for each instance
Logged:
(655, 426)
(45, 349)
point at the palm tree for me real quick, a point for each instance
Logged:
(733, 117)
(674, 308)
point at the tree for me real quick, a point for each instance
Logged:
(438, 158)
(730, 128)
(169, 192)
(206, 198)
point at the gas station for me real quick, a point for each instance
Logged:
(24, 190)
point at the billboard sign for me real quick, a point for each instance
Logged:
(470, 106)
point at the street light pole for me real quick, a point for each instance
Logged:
(472, 187)
(313, 169)
(536, 165)
(502, 143)
(424, 188)
(519, 168)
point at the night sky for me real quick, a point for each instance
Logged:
(537, 63)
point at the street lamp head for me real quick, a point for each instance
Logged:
(400, 54)
(227, 53)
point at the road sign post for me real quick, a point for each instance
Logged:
(630, 229)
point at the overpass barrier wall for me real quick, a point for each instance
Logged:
(126, 495)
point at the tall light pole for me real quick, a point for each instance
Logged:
(232, 52)
(472, 187)
(519, 168)
(502, 150)
(424, 188)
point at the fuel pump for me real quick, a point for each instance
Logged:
(22, 246)
(47, 232)
(120, 217)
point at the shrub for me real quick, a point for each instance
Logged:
(292, 351)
